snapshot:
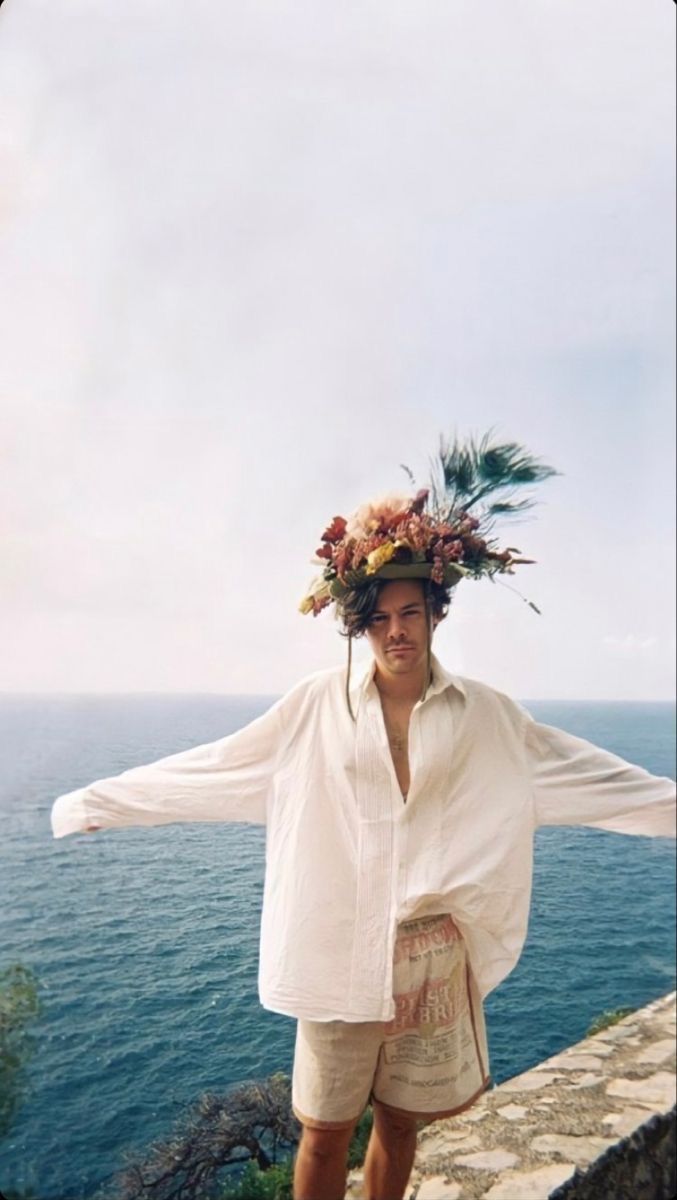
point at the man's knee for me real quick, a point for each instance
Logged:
(324, 1145)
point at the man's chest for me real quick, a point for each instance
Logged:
(396, 722)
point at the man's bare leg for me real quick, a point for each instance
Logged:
(390, 1155)
(321, 1169)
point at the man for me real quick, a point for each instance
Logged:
(400, 807)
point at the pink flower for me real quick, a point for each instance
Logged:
(437, 573)
(382, 513)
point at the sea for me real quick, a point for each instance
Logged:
(144, 941)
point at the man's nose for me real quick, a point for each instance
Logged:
(395, 627)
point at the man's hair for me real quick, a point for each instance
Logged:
(356, 609)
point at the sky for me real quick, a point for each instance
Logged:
(254, 256)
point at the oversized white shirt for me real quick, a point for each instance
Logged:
(347, 859)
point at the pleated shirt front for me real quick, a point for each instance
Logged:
(347, 859)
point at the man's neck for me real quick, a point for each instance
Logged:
(401, 689)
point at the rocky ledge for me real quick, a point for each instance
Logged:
(526, 1138)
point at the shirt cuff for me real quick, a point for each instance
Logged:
(69, 814)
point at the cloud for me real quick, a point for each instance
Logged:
(630, 644)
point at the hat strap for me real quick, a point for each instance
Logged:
(350, 661)
(429, 639)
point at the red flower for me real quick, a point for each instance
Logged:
(334, 532)
(324, 552)
(342, 559)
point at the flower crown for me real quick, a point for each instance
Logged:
(432, 534)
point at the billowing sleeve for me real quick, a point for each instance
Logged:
(577, 783)
(226, 780)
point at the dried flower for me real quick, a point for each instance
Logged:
(379, 557)
(432, 527)
(334, 532)
(378, 514)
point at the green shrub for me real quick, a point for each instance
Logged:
(358, 1145)
(255, 1184)
(19, 1005)
(605, 1019)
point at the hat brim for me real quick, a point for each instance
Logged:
(452, 575)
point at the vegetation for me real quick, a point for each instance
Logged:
(277, 1182)
(274, 1184)
(252, 1123)
(360, 1140)
(19, 1005)
(605, 1019)
(252, 1126)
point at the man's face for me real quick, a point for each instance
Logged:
(398, 633)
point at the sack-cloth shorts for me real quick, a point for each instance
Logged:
(429, 1061)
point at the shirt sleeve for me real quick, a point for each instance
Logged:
(577, 783)
(226, 780)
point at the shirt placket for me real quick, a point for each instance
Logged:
(403, 824)
(402, 849)
(420, 830)
(377, 795)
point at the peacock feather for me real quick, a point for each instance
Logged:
(465, 474)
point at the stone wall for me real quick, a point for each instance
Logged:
(639, 1167)
(591, 1123)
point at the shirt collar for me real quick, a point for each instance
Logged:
(362, 681)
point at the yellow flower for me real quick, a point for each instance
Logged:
(318, 590)
(379, 557)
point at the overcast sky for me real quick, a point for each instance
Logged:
(255, 255)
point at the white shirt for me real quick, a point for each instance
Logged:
(346, 859)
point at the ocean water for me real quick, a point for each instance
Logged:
(144, 942)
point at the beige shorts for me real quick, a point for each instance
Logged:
(430, 1061)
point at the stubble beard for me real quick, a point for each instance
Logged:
(410, 665)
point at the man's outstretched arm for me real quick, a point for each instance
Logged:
(577, 783)
(226, 780)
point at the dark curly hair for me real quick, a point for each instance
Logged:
(357, 607)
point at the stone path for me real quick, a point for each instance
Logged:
(525, 1138)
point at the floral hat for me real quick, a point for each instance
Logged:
(432, 533)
